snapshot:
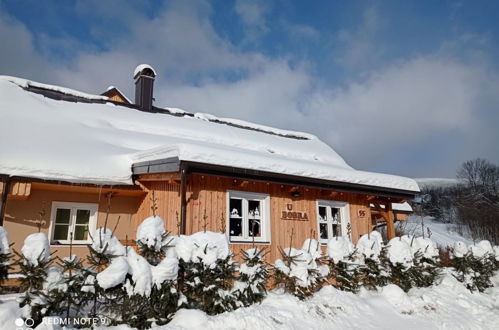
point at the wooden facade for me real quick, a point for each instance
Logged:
(32, 212)
(206, 208)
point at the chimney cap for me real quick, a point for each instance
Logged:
(144, 69)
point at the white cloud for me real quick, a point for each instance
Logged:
(360, 46)
(300, 30)
(253, 15)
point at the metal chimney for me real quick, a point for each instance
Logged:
(144, 76)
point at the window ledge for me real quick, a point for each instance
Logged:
(250, 242)
(68, 245)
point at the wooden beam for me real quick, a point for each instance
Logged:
(170, 177)
(183, 201)
(3, 199)
(20, 190)
(390, 220)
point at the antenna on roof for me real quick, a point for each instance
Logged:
(144, 76)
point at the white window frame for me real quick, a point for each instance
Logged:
(264, 217)
(93, 208)
(345, 219)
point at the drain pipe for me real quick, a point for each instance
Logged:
(3, 201)
(183, 199)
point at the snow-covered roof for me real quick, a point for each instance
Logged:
(98, 142)
(403, 207)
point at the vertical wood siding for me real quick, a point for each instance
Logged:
(207, 208)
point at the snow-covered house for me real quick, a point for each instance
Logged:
(71, 162)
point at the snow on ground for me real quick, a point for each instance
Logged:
(102, 141)
(448, 305)
(445, 306)
(444, 234)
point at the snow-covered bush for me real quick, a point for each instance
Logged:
(208, 271)
(474, 265)
(64, 286)
(399, 259)
(5, 255)
(34, 261)
(425, 270)
(102, 288)
(371, 256)
(249, 287)
(343, 268)
(300, 271)
(152, 239)
(165, 297)
(104, 247)
(150, 285)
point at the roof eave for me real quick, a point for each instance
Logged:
(173, 164)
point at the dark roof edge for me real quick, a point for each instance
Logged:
(19, 178)
(173, 164)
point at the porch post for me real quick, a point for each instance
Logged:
(183, 199)
(390, 219)
(5, 187)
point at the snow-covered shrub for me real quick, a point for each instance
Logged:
(208, 271)
(102, 288)
(300, 272)
(104, 247)
(165, 297)
(5, 255)
(343, 268)
(474, 265)
(249, 287)
(425, 270)
(399, 259)
(370, 253)
(64, 286)
(152, 239)
(152, 293)
(34, 261)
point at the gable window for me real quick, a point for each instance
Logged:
(249, 217)
(78, 219)
(332, 219)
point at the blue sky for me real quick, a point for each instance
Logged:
(404, 87)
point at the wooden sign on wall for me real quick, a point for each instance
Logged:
(289, 214)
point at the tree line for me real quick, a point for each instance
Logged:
(472, 203)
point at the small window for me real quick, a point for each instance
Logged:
(249, 218)
(76, 219)
(332, 219)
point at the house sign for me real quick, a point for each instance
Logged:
(289, 214)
